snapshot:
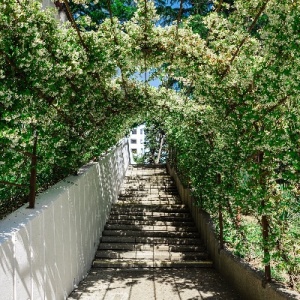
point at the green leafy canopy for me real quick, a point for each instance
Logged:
(237, 70)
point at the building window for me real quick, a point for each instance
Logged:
(134, 151)
(141, 141)
(133, 131)
(142, 150)
(132, 141)
(141, 131)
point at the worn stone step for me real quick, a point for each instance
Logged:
(139, 201)
(173, 208)
(149, 197)
(157, 189)
(148, 178)
(148, 192)
(151, 233)
(146, 184)
(148, 166)
(149, 188)
(151, 207)
(117, 246)
(150, 227)
(149, 210)
(151, 223)
(151, 218)
(144, 173)
(147, 202)
(147, 171)
(163, 185)
(151, 240)
(151, 214)
(154, 254)
(127, 263)
(152, 247)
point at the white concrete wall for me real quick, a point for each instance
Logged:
(46, 251)
(58, 14)
(47, 3)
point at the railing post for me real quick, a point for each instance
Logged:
(264, 222)
(33, 171)
(238, 217)
(265, 233)
(221, 220)
(221, 227)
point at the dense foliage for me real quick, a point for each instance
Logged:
(233, 120)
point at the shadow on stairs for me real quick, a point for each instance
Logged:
(150, 248)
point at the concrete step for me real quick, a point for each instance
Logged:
(155, 255)
(151, 214)
(150, 227)
(143, 263)
(149, 191)
(146, 184)
(180, 223)
(151, 247)
(151, 240)
(151, 218)
(129, 201)
(173, 208)
(147, 177)
(149, 197)
(153, 187)
(144, 172)
(150, 233)
(139, 185)
(149, 201)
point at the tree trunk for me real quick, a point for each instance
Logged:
(160, 150)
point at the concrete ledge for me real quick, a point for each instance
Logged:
(46, 251)
(247, 281)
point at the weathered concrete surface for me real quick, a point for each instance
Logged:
(158, 284)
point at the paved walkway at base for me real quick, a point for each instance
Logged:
(154, 284)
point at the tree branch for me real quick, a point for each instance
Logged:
(237, 51)
(266, 112)
(179, 16)
(70, 16)
(214, 22)
(117, 43)
(13, 184)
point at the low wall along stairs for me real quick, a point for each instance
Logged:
(45, 252)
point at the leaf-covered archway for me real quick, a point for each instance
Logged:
(233, 121)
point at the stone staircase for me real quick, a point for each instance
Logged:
(149, 227)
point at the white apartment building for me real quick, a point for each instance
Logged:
(136, 142)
